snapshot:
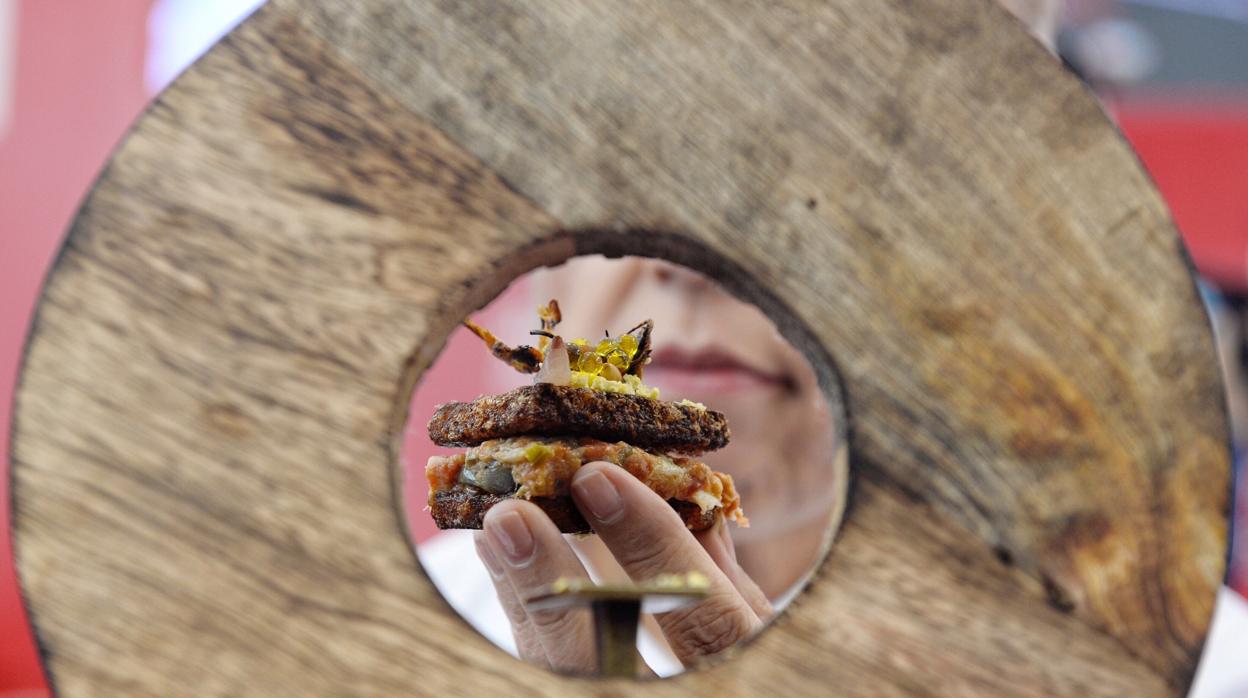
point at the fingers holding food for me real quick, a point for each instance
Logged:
(590, 447)
(532, 554)
(527, 643)
(648, 539)
(717, 543)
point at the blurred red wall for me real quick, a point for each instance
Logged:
(78, 84)
(1196, 149)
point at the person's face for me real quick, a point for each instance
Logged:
(712, 348)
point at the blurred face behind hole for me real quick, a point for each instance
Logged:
(712, 348)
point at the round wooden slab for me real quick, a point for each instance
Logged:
(210, 408)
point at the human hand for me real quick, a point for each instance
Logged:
(524, 551)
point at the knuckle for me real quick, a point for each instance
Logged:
(531, 651)
(706, 629)
(516, 615)
(554, 623)
(648, 556)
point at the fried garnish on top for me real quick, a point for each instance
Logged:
(612, 357)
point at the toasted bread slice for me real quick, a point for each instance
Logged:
(552, 410)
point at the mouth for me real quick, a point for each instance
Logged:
(708, 372)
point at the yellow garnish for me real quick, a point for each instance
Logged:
(612, 357)
(618, 359)
(629, 344)
(617, 351)
(537, 452)
(588, 362)
(631, 385)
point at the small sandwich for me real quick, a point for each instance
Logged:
(587, 403)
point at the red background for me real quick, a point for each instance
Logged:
(79, 83)
(1196, 148)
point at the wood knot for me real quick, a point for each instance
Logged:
(1049, 416)
(1056, 595)
(229, 419)
(1003, 555)
(950, 320)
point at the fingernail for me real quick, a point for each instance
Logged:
(510, 535)
(487, 556)
(599, 495)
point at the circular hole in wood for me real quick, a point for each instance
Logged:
(786, 456)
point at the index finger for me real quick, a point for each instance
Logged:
(648, 538)
(532, 554)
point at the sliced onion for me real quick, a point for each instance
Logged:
(555, 369)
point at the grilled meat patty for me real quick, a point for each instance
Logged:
(565, 411)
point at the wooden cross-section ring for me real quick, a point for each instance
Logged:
(920, 195)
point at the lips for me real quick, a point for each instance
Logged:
(707, 372)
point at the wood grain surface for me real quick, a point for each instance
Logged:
(215, 385)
